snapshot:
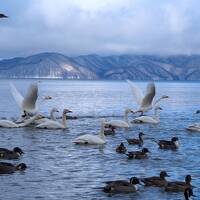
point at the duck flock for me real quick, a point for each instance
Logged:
(30, 116)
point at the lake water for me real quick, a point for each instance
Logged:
(58, 169)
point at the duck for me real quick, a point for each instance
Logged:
(135, 141)
(121, 148)
(10, 154)
(51, 124)
(157, 181)
(165, 144)
(138, 154)
(121, 123)
(179, 186)
(110, 130)
(122, 186)
(188, 193)
(92, 139)
(8, 168)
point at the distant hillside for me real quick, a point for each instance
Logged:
(137, 67)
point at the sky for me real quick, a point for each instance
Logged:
(104, 27)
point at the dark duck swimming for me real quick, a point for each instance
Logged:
(138, 154)
(157, 181)
(121, 186)
(136, 141)
(8, 168)
(10, 154)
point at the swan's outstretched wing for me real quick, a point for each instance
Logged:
(150, 93)
(29, 102)
(137, 92)
(16, 95)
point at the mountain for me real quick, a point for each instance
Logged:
(136, 67)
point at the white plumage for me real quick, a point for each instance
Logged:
(92, 139)
(27, 103)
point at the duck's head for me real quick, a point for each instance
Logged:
(163, 174)
(188, 179)
(174, 139)
(134, 180)
(21, 167)
(122, 144)
(141, 134)
(145, 150)
(18, 150)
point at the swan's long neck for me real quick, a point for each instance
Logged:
(52, 116)
(101, 135)
(126, 117)
(64, 120)
(157, 101)
(156, 114)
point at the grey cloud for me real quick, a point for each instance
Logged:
(76, 27)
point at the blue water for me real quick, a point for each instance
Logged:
(58, 169)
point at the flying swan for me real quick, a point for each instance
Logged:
(27, 104)
(145, 101)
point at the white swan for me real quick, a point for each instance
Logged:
(92, 139)
(50, 124)
(121, 123)
(11, 124)
(194, 127)
(27, 104)
(45, 119)
(147, 119)
(145, 101)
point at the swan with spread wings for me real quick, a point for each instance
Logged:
(145, 102)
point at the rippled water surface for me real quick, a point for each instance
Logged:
(58, 169)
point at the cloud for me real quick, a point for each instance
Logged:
(76, 27)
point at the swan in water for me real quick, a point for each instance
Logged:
(92, 139)
(51, 124)
(11, 124)
(45, 119)
(145, 101)
(121, 123)
(194, 127)
(27, 104)
(147, 119)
